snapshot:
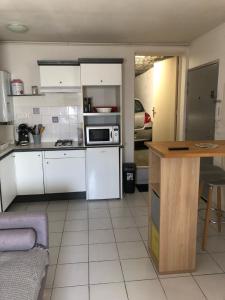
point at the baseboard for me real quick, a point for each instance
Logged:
(50, 197)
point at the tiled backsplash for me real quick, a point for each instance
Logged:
(60, 122)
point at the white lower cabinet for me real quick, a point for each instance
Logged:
(103, 175)
(64, 171)
(8, 180)
(29, 173)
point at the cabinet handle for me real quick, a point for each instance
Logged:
(65, 154)
(47, 162)
(39, 155)
(101, 80)
(60, 82)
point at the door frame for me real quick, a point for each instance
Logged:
(178, 107)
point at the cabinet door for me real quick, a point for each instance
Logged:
(101, 74)
(64, 175)
(8, 181)
(29, 173)
(60, 76)
(103, 173)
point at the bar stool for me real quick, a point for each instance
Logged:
(213, 179)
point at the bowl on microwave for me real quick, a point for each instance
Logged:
(104, 109)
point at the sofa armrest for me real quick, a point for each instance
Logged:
(37, 221)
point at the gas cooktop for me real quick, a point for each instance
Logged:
(64, 143)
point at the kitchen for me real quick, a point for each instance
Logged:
(79, 153)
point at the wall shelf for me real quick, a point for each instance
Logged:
(26, 95)
(101, 114)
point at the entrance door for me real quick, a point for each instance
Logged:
(201, 102)
(164, 100)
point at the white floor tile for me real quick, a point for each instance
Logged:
(117, 203)
(141, 221)
(120, 212)
(50, 276)
(138, 269)
(71, 275)
(57, 206)
(110, 291)
(98, 213)
(220, 259)
(144, 232)
(77, 205)
(145, 290)
(184, 288)
(73, 254)
(213, 286)
(97, 204)
(105, 272)
(76, 214)
(132, 250)
(76, 225)
(123, 222)
(72, 238)
(100, 252)
(37, 207)
(215, 244)
(56, 226)
(95, 224)
(101, 236)
(71, 293)
(139, 211)
(55, 239)
(206, 265)
(56, 216)
(127, 235)
(53, 255)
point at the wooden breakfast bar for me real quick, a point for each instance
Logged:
(173, 201)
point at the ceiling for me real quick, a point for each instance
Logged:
(107, 21)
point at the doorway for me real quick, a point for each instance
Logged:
(155, 103)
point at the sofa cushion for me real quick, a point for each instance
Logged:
(22, 273)
(17, 239)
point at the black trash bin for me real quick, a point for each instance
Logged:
(129, 176)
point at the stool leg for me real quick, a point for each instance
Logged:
(207, 218)
(200, 190)
(219, 214)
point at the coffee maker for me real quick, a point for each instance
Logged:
(23, 135)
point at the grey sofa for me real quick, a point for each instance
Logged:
(23, 255)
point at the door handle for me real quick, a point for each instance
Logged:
(153, 112)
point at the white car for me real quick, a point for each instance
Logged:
(142, 123)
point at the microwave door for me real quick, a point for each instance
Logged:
(99, 135)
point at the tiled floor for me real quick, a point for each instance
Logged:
(98, 251)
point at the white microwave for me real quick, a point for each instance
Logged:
(102, 135)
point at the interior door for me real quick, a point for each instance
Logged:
(201, 102)
(164, 100)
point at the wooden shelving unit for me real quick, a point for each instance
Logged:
(173, 207)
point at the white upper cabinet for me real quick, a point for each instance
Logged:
(101, 74)
(59, 76)
(8, 181)
(29, 173)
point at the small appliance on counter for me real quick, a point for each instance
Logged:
(23, 135)
(102, 134)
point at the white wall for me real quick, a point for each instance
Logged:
(207, 48)
(143, 89)
(21, 60)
